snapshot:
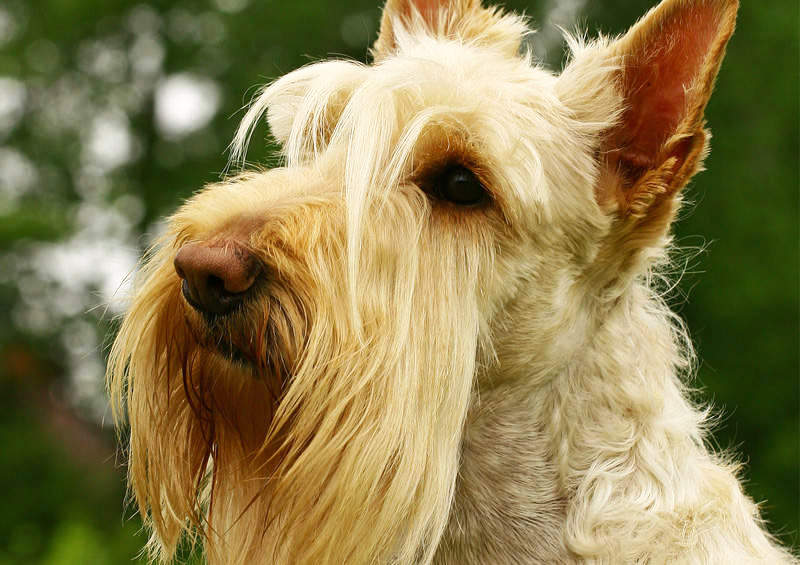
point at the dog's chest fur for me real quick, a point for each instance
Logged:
(507, 506)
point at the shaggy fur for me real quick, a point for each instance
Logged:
(414, 381)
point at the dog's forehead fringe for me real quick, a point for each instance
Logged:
(384, 110)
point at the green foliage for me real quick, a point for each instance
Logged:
(87, 168)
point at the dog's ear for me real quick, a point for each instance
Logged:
(668, 62)
(465, 19)
(427, 14)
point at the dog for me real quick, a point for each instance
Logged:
(435, 334)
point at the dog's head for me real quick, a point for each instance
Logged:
(302, 347)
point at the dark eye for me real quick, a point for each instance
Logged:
(460, 186)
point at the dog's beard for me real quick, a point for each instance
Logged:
(344, 449)
(263, 337)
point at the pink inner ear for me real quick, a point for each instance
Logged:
(660, 75)
(427, 8)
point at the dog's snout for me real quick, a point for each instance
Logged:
(216, 277)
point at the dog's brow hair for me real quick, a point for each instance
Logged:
(314, 85)
(365, 134)
(358, 111)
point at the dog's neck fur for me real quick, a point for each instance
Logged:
(537, 485)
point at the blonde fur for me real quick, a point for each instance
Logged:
(428, 383)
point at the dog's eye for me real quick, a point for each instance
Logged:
(460, 186)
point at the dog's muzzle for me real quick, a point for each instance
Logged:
(216, 276)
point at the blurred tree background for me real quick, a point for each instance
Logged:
(113, 111)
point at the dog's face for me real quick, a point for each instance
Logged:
(305, 341)
(447, 173)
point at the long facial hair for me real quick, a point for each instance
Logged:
(336, 440)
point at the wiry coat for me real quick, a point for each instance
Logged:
(415, 381)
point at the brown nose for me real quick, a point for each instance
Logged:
(216, 277)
